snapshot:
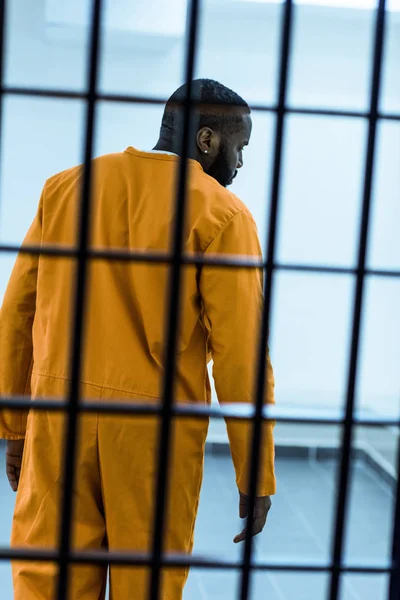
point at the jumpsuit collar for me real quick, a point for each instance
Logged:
(160, 155)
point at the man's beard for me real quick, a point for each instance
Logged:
(220, 169)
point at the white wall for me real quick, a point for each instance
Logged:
(322, 174)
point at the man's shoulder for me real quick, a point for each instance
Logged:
(212, 208)
(104, 161)
(223, 203)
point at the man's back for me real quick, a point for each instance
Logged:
(132, 209)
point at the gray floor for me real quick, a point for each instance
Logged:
(299, 527)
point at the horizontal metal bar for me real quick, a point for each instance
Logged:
(102, 557)
(327, 112)
(232, 411)
(138, 256)
(53, 251)
(135, 99)
(332, 270)
(141, 256)
(388, 116)
(43, 93)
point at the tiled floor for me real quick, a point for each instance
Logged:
(299, 527)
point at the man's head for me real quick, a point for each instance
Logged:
(222, 128)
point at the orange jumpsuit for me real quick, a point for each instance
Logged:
(133, 199)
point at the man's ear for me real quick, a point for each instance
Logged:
(208, 141)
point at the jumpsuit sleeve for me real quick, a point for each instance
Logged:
(16, 321)
(232, 302)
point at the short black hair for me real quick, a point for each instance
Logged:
(222, 110)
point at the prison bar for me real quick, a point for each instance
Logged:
(64, 556)
(270, 244)
(394, 584)
(174, 304)
(102, 557)
(71, 429)
(134, 99)
(345, 464)
(199, 259)
(2, 54)
(231, 411)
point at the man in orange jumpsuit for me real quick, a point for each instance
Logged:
(132, 209)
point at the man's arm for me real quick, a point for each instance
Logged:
(232, 300)
(16, 320)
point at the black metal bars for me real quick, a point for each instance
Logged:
(134, 99)
(260, 390)
(193, 259)
(174, 304)
(77, 347)
(166, 411)
(2, 54)
(394, 589)
(100, 557)
(345, 462)
(231, 411)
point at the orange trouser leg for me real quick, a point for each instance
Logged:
(37, 513)
(127, 464)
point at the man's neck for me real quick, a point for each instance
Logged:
(164, 146)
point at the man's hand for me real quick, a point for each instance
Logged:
(14, 453)
(261, 510)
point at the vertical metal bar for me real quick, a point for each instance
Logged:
(345, 463)
(394, 586)
(287, 21)
(3, 22)
(172, 325)
(2, 53)
(80, 295)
